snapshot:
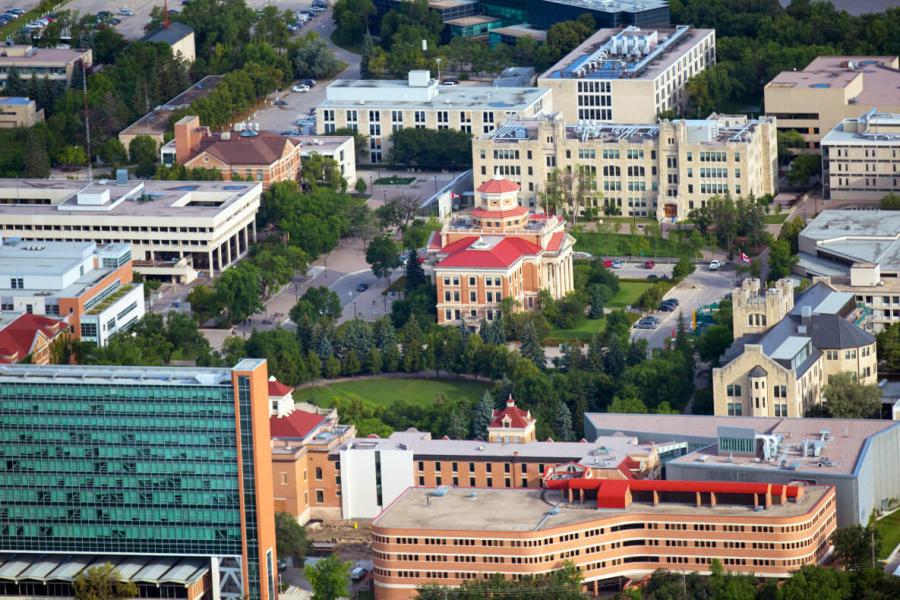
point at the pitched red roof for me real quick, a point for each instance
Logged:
(296, 425)
(17, 338)
(499, 256)
(434, 240)
(262, 149)
(556, 241)
(518, 418)
(498, 185)
(278, 389)
(481, 213)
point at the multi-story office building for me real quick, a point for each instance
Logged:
(660, 171)
(378, 108)
(499, 250)
(785, 350)
(861, 158)
(138, 465)
(55, 64)
(19, 112)
(174, 227)
(629, 76)
(91, 289)
(613, 531)
(856, 456)
(814, 100)
(857, 251)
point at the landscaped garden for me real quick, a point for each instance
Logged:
(890, 533)
(384, 391)
(394, 180)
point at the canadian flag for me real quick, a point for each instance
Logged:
(454, 195)
(743, 257)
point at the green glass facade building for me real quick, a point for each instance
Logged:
(140, 462)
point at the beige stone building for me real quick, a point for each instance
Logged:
(861, 158)
(785, 350)
(16, 111)
(629, 75)
(56, 64)
(499, 250)
(858, 251)
(830, 89)
(178, 36)
(658, 171)
(379, 108)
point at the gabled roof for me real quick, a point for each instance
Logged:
(518, 418)
(500, 255)
(18, 337)
(297, 425)
(481, 213)
(832, 332)
(262, 149)
(498, 185)
(278, 389)
(174, 33)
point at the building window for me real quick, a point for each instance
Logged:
(735, 409)
(320, 496)
(16, 283)
(284, 478)
(733, 390)
(319, 473)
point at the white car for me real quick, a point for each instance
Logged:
(715, 265)
(300, 88)
(126, 12)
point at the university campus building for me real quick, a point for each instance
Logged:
(612, 530)
(90, 289)
(378, 108)
(785, 350)
(858, 457)
(861, 158)
(174, 228)
(662, 170)
(813, 100)
(163, 472)
(498, 250)
(629, 75)
(857, 251)
(55, 64)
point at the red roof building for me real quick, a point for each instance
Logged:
(498, 250)
(23, 335)
(511, 424)
(296, 426)
(281, 398)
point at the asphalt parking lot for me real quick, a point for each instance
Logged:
(636, 270)
(700, 288)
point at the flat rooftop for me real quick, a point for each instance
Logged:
(876, 128)
(445, 4)
(865, 236)
(879, 76)
(476, 97)
(523, 510)
(41, 258)
(319, 143)
(848, 437)
(30, 56)
(630, 53)
(56, 198)
(157, 120)
(15, 100)
(521, 31)
(614, 6)
(114, 375)
(471, 20)
(604, 452)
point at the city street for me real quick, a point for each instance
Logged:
(700, 288)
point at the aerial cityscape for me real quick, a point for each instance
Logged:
(449, 299)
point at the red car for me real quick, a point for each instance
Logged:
(649, 264)
(607, 263)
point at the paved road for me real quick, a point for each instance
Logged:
(700, 288)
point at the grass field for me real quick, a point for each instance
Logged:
(604, 244)
(629, 292)
(386, 390)
(776, 219)
(582, 332)
(890, 533)
(394, 180)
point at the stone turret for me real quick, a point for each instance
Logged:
(755, 309)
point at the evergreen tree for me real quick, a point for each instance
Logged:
(375, 362)
(614, 360)
(15, 86)
(325, 348)
(595, 299)
(637, 352)
(415, 276)
(595, 353)
(504, 387)
(36, 159)
(457, 428)
(368, 47)
(531, 347)
(313, 365)
(482, 415)
(492, 332)
(562, 421)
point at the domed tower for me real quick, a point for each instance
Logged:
(498, 206)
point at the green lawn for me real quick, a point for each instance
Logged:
(776, 219)
(582, 332)
(604, 244)
(890, 533)
(629, 292)
(394, 180)
(386, 390)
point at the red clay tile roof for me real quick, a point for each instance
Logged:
(500, 256)
(519, 418)
(263, 149)
(298, 424)
(498, 185)
(278, 389)
(556, 241)
(17, 338)
(480, 213)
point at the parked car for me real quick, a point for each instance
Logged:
(607, 263)
(280, 102)
(362, 287)
(450, 81)
(300, 88)
(649, 264)
(618, 264)
(664, 307)
(126, 12)
(647, 323)
(715, 265)
(309, 82)
(290, 132)
(358, 572)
